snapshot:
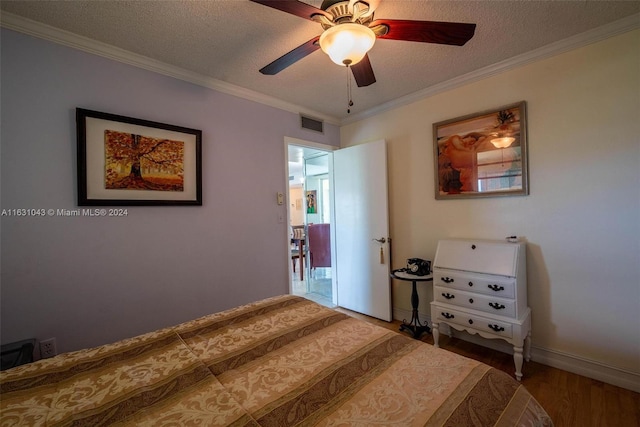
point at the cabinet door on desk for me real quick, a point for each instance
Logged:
(480, 256)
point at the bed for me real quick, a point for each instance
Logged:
(282, 361)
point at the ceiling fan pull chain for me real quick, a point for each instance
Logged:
(349, 100)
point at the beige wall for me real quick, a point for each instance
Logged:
(296, 210)
(582, 218)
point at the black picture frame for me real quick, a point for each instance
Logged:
(170, 151)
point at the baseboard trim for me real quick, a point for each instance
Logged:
(556, 359)
(587, 368)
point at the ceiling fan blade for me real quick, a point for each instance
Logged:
(294, 7)
(363, 73)
(454, 33)
(292, 57)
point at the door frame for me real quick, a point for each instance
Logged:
(329, 149)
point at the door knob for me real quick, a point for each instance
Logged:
(381, 240)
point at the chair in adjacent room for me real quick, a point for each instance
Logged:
(298, 248)
(319, 245)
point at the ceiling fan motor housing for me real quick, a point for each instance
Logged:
(341, 13)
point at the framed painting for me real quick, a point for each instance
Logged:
(124, 161)
(482, 154)
(312, 202)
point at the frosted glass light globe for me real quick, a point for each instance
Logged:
(347, 44)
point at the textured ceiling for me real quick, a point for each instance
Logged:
(230, 40)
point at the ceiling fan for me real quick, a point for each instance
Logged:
(350, 32)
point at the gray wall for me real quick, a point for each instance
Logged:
(88, 281)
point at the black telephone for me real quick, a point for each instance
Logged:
(419, 267)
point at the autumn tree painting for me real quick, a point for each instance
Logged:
(139, 162)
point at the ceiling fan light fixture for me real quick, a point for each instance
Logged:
(502, 142)
(348, 43)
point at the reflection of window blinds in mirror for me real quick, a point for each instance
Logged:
(500, 169)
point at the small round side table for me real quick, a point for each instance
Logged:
(414, 325)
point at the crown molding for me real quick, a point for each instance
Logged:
(615, 28)
(75, 41)
(66, 38)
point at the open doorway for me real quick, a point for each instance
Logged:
(310, 220)
(358, 222)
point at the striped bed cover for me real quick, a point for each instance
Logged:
(283, 361)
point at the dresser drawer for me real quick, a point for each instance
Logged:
(472, 321)
(502, 287)
(495, 306)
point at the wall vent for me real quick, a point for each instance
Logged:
(311, 124)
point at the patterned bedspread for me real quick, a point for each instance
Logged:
(283, 361)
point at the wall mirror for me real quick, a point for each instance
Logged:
(482, 154)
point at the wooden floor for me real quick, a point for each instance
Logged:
(570, 399)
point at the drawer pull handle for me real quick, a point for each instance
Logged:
(496, 328)
(470, 300)
(496, 288)
(471, 321)
(448, 295)
(447, 315)
(446, 279)
(473, 246)
(470, 284)
(496, 305)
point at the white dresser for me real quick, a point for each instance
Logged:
(480, 286)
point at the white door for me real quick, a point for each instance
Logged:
(361, 217)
